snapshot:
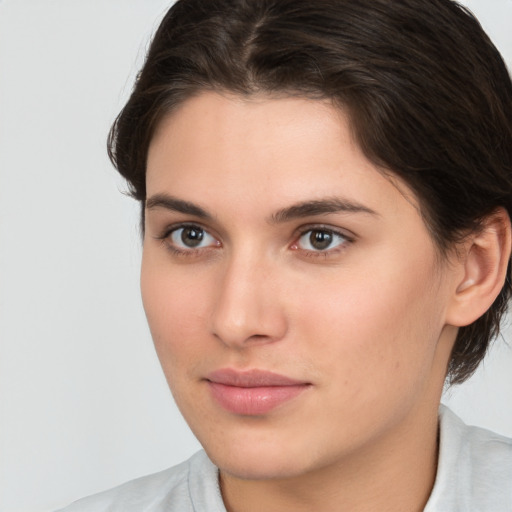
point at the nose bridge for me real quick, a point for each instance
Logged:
(248, 309)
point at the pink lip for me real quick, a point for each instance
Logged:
(254, 392)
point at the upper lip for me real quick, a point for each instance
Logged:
(251, 378)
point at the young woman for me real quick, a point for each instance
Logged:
(326, 190)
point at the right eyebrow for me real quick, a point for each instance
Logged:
(318, 207)
(176, 205)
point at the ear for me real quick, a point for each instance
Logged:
(484, 259)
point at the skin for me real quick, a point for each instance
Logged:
(367, 321)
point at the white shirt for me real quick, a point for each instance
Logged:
(474, 474)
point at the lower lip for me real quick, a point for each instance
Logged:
(254, 401)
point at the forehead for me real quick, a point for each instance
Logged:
(231, 150)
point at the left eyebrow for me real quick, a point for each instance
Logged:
(177, 205)
(319, 207)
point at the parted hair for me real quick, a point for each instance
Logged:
(428, 96)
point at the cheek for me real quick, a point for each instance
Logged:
(176, 309)
(378, 330)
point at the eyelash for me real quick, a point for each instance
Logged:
(319, 253)
(191, 252)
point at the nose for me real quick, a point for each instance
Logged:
(248, 309)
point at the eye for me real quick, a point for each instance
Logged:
(320, 240)
(191, 237)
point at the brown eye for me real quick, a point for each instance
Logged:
(319, 240)
(191, 237)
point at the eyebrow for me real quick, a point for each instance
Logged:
(296, 211)
(320, 207)
(177, 205)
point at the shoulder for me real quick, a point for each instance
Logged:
(489, 454)
(474, 469)
(176, 487)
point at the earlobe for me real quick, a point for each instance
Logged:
(484, 260)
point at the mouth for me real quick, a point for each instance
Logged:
(254, 392)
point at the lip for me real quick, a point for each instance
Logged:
(253, 392)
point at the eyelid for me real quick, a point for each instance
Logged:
(169, 228)
(166, 237)
(303, 230)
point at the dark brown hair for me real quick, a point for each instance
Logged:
(428, 96)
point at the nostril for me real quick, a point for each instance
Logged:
(244, 312)
(251, 332)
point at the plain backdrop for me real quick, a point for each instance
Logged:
(83, 404)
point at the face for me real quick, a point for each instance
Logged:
(295, 297)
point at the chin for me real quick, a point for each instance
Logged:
(261, 459)
(261, 467)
